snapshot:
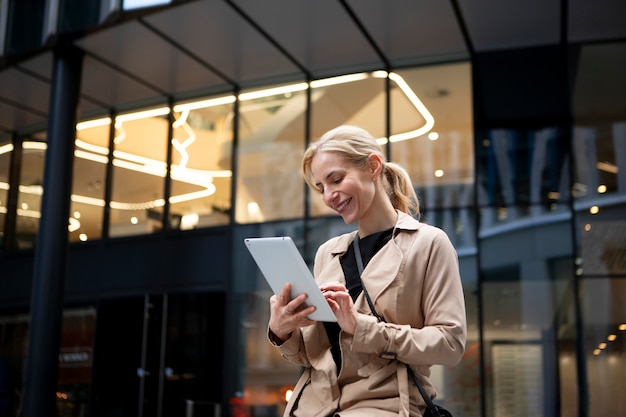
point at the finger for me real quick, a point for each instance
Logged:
(285, 294)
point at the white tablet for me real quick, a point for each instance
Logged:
(280, 262)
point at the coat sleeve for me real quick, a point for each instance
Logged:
(438, 332)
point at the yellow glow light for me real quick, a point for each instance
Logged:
(93, 123)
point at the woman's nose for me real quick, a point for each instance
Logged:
(329, 196)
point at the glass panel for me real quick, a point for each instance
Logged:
(201, 163)
(599, 191)
(139, 167)
(91, 156)
(600, 124)
(604, 315)
(13, 350)
(432, 132)
(458, 387)
(268, 377)
(271, 142)
(523, 176)
(6, 147)
(30, 192)
(75, 361)
(357, 99)
(526, 274)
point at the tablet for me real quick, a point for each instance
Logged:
(280, 262)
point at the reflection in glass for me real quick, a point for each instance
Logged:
(599, 136)
(201, 163)
(271, 142)
(526, 274)
(604, 315)
(139, 169)
(91, 155)
(30, 192)
(522, 174)
(6, 148)
(268, 376)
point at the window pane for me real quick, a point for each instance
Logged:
(201, 163)
(600, 125)
(352, 100)
(432, 142)
(91, 155)
(605, 343)
(522, 174)
(267, 376)
(30, 192)
(5, 165)
(526, 278)
(271, 142)
(139, 166)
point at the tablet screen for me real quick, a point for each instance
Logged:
(280, 262)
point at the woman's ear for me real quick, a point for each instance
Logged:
(375, 165)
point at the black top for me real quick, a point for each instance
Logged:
(369, 246)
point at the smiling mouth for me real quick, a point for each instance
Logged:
(342, 206)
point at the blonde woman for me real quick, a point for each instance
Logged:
(358, 366)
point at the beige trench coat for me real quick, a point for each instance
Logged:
(415, 285)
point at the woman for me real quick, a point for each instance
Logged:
(356, 367)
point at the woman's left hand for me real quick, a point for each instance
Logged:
(341, 303)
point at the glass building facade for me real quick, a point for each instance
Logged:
(165, 312)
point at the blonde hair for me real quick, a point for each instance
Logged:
(355, 145)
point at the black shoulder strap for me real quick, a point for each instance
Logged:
(359, 263)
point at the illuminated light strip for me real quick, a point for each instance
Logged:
(343, 79)
(138, 159)
(42, 146)
(90, 147)
(137, 206)
(144, 114)
(93, 123)
(607, 167)
(204, 103)
(430, 120)
(31, 189)
(292, 88)
(29, 213)
(91, 157)
(88, 200)
(146, 169)
(3, 210)
(193, 196)
(4, 186)
(6, 148)
(74, 225)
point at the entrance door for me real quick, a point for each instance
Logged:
(158, 355)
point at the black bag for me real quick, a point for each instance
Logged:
(437, 411)
(432, 410)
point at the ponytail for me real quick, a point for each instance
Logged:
(400, 189)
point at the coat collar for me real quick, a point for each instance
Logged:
(340, 245)
(385, 272)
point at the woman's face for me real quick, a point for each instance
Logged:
(345, 188)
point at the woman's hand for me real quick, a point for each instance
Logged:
(287, 315)
(341, 303)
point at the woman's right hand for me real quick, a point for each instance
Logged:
(287, 315)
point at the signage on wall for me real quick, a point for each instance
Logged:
(75, 357)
